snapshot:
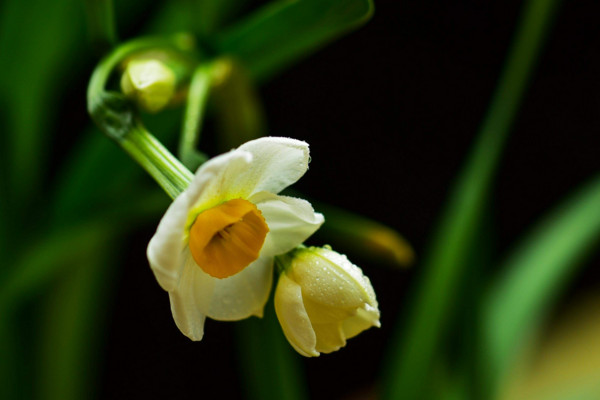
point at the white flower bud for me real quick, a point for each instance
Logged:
(150, 83)
(322, 299)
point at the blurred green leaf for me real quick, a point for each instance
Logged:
(270, 368)
(208, 16)
(46, 257)
(38, 40)
(284, 31)
(417, 339)
(74, 315)
(535, 273)
(50, 254)
(32, 273)
(101, 24)
(87, 177)
(10, 360)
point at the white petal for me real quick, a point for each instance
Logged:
(291, 221)
(239, 296)
(293, 317)
(265, 164)
(166, 246)
(185, 305)
(329, 337)
(220, 179)
(321, 314)
(330, 279)
(364, 319)
(200, 295)
(278, 162)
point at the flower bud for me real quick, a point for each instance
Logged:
(150, 83)
(322, 299)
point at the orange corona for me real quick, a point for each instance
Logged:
(225, 239)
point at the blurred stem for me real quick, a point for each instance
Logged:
(101, 24)
(270, 368)
(415, 342)
(238, 108)
(194, 116)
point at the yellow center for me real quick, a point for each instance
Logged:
(225, 239)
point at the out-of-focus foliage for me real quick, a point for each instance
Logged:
(54, 219)
(61, 193)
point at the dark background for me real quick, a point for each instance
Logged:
(390, 112)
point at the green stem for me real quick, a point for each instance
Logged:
(414, 343)
(166, 170)
(117, 119)
(194, 115)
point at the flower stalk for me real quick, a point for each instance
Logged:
(116, 117)
(166, 170)
(200, 83)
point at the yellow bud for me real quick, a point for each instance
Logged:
(150, 83)
(322, 299)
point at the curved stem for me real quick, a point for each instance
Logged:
(115, 116)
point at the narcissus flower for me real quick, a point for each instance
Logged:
(213, 250)
(322, 299)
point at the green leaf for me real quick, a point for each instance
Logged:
(284, 31)
(535, 273)
(417, 339)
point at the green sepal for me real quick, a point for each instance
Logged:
(283, 262)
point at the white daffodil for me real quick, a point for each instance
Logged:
(213, 250)
(322, 299)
